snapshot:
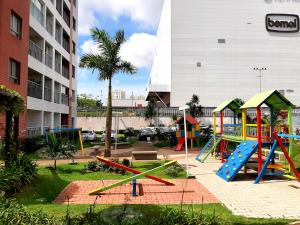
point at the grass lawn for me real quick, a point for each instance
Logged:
(49, 184)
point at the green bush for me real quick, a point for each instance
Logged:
(33, 144)
(162, 144)
(12, 213)
(14, 176)
(174, 170)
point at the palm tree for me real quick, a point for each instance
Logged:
(107, 63)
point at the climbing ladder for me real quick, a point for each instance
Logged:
(207, 149)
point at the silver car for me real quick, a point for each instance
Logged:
(88, 135)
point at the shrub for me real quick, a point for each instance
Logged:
(12, 213)
(33, 144)
(17, 174)
(174, 170)
(162, 144)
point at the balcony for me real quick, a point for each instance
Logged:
(35, 90)
(35, 51)
(64, 99)
(36, 13)
(48, 60)
(57, 97)
(47, 94)
(66, 45)
(65, 71)
(49, 26)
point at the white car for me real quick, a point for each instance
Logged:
(112, 136)
(88, 135)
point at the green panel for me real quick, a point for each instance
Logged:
(272, 98)
(231, 104)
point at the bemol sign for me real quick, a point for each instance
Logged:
(282, 23)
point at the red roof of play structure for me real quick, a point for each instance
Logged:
(189, 119)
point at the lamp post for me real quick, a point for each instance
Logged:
(260, 76)
(183, 108)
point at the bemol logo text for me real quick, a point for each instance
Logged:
(282, 23)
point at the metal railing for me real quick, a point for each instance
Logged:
(49, 26)
(34, 90)
(64, 99)
(65, 71)
(58, 35)
(57, 66)
(33, 131)
(66, 45)
(47, 94)
(36, 13)
(35, 51)
(57, 97)
(48, 60)
(233, 130)
(66, 18)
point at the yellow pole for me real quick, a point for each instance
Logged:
(244, 121)
(81, 144)
(215, 133)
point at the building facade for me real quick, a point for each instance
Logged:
(226, 49)
(48, 76)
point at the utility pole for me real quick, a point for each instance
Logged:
(260, 75)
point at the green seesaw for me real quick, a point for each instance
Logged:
(97, 191)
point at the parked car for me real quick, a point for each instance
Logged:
(144, 133)
(88, 135)
(129, 132)
(112, 136)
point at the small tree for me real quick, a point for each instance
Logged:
(150, 110)
(195, 107)
(56, 147)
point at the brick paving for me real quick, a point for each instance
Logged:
(270, 199)
(150, 192)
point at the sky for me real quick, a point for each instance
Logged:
(139, 19)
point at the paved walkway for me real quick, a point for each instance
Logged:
(150, 192)
(272, 198)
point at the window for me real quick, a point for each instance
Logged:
(14, 71)
(74, 24)
(221, 41)
(73, 71)
(16, 25)
(74, 48)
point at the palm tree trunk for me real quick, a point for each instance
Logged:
(107, 152)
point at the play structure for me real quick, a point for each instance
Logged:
(259, 142)
(226, 133)
(193, 132)
(136, 174)
(72, 134)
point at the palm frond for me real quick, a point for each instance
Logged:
(126, 67)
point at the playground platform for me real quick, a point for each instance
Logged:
(150, 192)
(274, 198)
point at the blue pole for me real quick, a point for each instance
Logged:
(134, 194)
(270, 156)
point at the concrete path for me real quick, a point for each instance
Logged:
(270, 199)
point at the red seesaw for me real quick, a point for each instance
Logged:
(120, 166)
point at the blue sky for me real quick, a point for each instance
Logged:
(139, 19)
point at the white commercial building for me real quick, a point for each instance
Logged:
(211, 47)
(52, 64)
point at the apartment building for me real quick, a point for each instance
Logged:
(14, 31)
(224, 49)
(47, 77)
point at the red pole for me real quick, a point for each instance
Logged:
(221, 123)
(117, 165)
(286, 154)
(259, 138)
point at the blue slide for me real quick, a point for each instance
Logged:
(237, 160)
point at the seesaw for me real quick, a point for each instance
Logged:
(138, 174)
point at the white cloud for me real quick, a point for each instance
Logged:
(147, 13)
(139, 49)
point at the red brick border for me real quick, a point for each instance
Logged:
(187, 191)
